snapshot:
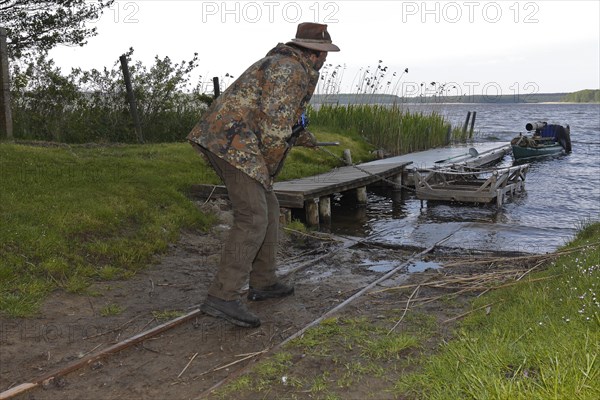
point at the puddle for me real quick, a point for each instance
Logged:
(379, 266)
(421, 266)
(383, 266)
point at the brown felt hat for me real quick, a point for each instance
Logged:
(314, 36)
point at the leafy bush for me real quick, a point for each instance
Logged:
(91, 106)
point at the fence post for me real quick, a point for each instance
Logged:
(131, 99)
(6, 123)
(217, 87)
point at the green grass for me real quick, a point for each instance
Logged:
(540, 341)
(73, 215)
(307, 161)
(111, 309)
(166, 315)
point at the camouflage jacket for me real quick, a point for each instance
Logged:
(249, 124)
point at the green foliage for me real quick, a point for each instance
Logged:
(91, 106)
(583, 96)
(41, 25)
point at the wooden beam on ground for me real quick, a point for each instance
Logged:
(101, 354)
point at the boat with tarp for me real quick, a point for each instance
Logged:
(544, 140)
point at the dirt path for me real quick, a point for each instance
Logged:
(71, 326)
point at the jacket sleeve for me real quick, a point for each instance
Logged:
(284, 87)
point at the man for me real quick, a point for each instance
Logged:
(245, 135)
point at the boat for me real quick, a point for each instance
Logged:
(545, 140)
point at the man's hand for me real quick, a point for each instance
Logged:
(306, 139)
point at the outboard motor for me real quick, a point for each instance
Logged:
(536, 126)
(559, 133)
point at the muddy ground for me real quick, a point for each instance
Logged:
(72, 327)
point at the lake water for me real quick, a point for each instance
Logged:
(561, 192)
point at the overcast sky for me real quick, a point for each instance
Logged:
(474, 47)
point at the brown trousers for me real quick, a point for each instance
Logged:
(250, 250)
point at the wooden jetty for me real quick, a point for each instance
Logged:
(313, 194)
(471, 185)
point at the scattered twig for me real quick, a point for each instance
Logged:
(469, 312)
(309, 235)
(210, 195)
(250, 355)
(91, 306)
(85, 354)
(117, 329)
(187, 365)
(151, 292)
(405, 309)
(147, 323)
(530, 269)
(520, 337)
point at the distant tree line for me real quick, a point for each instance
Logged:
(583, 96)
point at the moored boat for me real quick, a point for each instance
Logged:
(546, 139)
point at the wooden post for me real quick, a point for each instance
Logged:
(347, 157)
(397, 197)
(285, 216)
(217, 88)
(361, 195)
(397, 179)
(312, 212)
(131, 99)
(6, 123)
(325, 210)
(449, 135)
(466, 122)
(472, 123)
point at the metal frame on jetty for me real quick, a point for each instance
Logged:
(470, 185)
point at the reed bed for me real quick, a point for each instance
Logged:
(388, 127)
